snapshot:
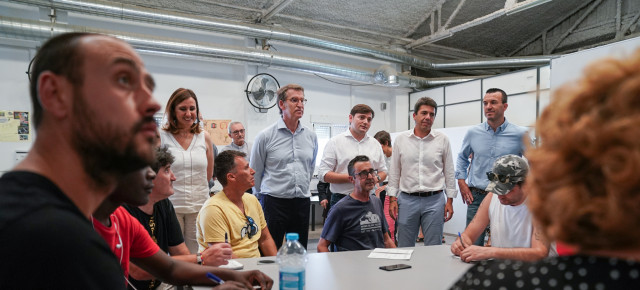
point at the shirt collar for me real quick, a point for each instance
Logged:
(412, 134)
(350, 135)
(282, 125)
(500, 128)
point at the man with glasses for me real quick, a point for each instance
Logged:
(342, 148)
(486, 142)
(233, 216)
(236, 132)
(421, 170)
(356, 222)
(513, 235)
(284, 157)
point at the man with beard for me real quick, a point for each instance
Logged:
(128, 239)
(232, 215)
(486, 142)
(93, 110)
(513, 234)
(158, 217)
(356, 222)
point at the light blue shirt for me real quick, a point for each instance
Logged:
(486, 146)
(284, 161)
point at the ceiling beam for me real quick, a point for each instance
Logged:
(626, 27)
(544, 32)
(582, 18)
(453, 14)
(273, 10)
(424, 19)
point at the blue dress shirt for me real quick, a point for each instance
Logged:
(284, 162)
(486, 146)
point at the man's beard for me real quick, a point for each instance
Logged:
(101, 149)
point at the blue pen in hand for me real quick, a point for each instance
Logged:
(215, 278)
(461, 242)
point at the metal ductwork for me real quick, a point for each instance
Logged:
(136, 13)
(41, 31)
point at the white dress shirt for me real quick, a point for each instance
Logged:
(422, 164)
(343, 148)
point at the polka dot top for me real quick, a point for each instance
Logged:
(567, 273)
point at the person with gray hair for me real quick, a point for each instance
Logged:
(237, 134)
(514, 236)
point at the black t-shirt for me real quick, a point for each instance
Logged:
(570, 272)
(166, 233)
(46, 242)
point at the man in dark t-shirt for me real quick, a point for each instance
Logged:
(159, 219)
(93, 111)
(356, 222)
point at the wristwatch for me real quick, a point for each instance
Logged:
(199, 258)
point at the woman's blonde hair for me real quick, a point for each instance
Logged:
(585, 175)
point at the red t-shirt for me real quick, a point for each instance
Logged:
(136, 242)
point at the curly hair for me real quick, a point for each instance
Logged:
(585, 175)
(163, 158)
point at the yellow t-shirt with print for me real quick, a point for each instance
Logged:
(219, 216)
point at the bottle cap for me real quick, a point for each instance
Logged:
(292, 236)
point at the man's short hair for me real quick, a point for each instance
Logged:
(163, 158)
(425, 101)
(352, 163)
(61, 55)
(233, 123)
(176, 98)
(282, 93)
(496, 90)
(225, 163)
(362, 109)
(383, 137)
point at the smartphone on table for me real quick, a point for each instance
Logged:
(395, 267)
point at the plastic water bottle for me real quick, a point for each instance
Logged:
(292, 259)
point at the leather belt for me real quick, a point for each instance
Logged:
(478, 190)
(423, 193)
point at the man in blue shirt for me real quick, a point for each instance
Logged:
(483, 144)
(284, 156)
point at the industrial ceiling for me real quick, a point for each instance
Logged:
(439, 31)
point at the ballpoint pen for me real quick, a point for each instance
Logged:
(461, 242)
(215, 278)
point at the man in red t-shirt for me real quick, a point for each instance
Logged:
(128, 239)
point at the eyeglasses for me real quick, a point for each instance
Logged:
(250, 229)
(296, 100)
(503, 178)
(365, 173)
(237, 132)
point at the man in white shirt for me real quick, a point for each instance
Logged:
(237, 133)
(344, 147)
(421, 170)
(513, 235)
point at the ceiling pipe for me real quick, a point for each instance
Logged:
(41, 31)
(136, 13)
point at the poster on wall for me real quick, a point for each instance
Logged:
(218, 130)
(14, 126)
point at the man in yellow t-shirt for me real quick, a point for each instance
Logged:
(233, 216)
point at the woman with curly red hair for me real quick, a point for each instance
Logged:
(584, 187)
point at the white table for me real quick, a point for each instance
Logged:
(433, 267)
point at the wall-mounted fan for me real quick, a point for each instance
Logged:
(261, 91)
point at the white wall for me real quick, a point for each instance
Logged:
(219, 86)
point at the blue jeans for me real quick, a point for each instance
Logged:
(416, 211)
(478, 197)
